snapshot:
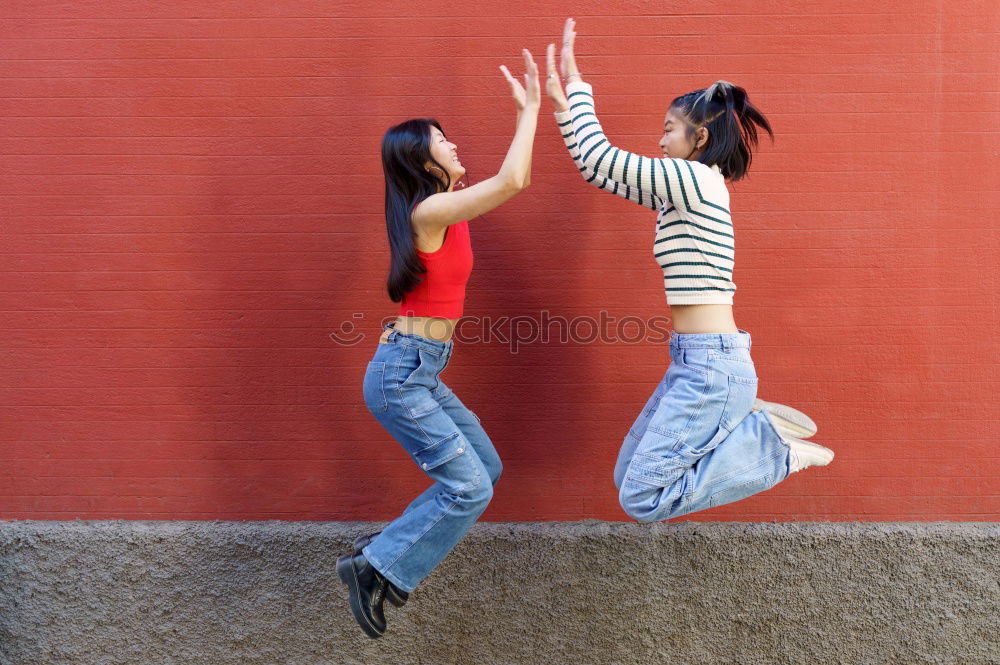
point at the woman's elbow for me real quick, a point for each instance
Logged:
(513, 185)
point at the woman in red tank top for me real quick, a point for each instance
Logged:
(431, 258)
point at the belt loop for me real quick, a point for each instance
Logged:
(725, 343)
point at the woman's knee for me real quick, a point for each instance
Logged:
(636, 503)
(495, 470)
(478, 497)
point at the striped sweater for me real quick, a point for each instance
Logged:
(694, 232)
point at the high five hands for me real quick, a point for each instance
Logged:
(528, 95)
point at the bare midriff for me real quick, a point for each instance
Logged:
(693, 319)
(430, 327)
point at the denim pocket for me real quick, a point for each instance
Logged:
(737, 355)
(739, 400)
(441, 452)
(374, 387)
(697, 360)
(652, 470)
(740, 491)
(408, 367)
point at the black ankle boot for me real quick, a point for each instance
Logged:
(393, 594)
(367, 588)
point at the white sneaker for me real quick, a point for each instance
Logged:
(786, 419)
(805, 454)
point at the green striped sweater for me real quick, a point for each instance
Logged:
(694, 232)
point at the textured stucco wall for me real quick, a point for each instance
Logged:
(580, 592)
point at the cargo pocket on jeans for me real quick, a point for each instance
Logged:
(739, 400)
(740, 491)
(453, 448)
(652, 470)
(441, 452)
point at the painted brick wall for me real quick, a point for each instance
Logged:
(190, 201)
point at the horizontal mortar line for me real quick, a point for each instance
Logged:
(326, 174)
(608, 114)
(185, 492)
(495, 58)
(327, 154)
(374, 289)
(186, 116)
(278, 348)
(19, 196)
(562, 366)
(934, 35)
(137, 476)
(328, 441)
(639, 219)
(511, 367)
(377, 213)
(324, 423)
(187, 19)
(50, 460)
(432, 35)
(490, 76)
(989, 93)
(322, 386)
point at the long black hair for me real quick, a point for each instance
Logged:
(405, 152)
(725, 110)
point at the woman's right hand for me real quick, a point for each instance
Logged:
(553, 85)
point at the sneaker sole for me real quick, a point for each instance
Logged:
(797, 423)
(822, 451)
(347, 575)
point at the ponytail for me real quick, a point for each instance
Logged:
(731, 120)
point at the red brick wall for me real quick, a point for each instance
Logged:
(190, 200)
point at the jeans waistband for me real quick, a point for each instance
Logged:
(724, 341)
(442, 349)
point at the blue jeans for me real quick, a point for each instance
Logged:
(404, 391)
(696, 443)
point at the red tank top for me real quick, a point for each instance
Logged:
(441, 291)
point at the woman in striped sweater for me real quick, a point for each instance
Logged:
(703, 439)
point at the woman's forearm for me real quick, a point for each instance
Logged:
(516, 167)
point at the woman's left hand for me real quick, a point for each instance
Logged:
(528, 95)
(567, 57)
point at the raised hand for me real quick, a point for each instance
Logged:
(552, 84)
(567, 57)
(528, 95)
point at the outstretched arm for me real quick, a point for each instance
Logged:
(659, 178)
(564, 121)
(447, 208)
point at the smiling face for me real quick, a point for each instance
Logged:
(677, 141)
(446, 154)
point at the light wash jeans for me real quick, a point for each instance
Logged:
(696, 443)
(404, 391)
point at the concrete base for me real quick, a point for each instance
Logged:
(137, 593)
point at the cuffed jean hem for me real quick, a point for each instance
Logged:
(386, 573)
